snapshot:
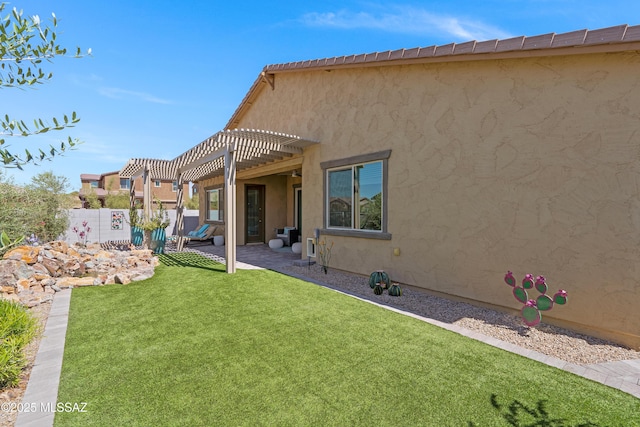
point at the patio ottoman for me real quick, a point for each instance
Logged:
(276, 243)
(296, 248)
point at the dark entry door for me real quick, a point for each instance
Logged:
(255, 214)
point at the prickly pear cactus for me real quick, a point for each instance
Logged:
(531, 311)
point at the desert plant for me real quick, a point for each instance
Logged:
(378, 289)
(6, 243)
(531, 311)
(82, 233)
(158, 219)
(17, 328)
(379, 276)
(395, 290)
(324, 250)
(91, 200)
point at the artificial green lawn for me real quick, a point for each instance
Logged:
(193, 346)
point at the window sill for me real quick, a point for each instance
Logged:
(355, 233)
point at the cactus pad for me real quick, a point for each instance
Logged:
(532, 308)
(531, 315)
(544, 303)
(520, 294)
(560, 297)
(541, 285)
(509, 279)
(527, 282)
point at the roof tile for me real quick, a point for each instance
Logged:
(410, 53)
(370, 57)
(446, 49)
(396, 54)
(632, 34)
(383, 56)
(425, 52)
(462, 48)
(538, 42)
(605, 35)
(359, 58)
(574, 38)
(488, 46)
(514, 43)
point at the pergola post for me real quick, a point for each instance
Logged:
(132, 192)
(180, 212)
(230, 207)
(146, 192)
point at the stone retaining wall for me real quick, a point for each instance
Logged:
(32, 274)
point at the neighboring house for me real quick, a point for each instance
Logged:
(481, 157)
(112, 182)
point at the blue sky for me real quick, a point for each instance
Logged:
(165, 75)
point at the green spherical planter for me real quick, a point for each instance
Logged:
(378, 289)
(379, 276)
(395, 291)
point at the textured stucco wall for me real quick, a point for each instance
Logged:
(525, 164)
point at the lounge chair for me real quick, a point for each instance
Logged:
(198, 232)
(202, 235)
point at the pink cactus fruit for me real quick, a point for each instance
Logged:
(560, 297)
(520, 294)
(509, 279)
(530, 314)
(527, 282)
(541, 285)
(544, 303)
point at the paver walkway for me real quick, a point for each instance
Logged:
(42, 390)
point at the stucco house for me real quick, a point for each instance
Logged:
(448, 165)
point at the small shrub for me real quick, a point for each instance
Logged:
(17, 328)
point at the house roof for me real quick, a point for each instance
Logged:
(617, 38)
(89, 177)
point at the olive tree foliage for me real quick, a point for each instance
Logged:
(38, 209)
(24, 44)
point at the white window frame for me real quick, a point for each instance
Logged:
(174, 186)
(157, 183)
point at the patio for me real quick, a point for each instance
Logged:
(249, 256)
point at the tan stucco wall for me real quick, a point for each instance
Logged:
(529, 165)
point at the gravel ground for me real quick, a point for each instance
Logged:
(547, 339)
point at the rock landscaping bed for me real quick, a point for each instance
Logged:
(31, 275)
(547, 339)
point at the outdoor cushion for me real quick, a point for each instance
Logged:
(208, 234)
(199, 232)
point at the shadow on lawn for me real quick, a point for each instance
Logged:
(518, 414)
(189, 259)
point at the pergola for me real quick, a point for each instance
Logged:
(224, 153)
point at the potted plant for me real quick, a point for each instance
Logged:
(137, 233)
(154, 229)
